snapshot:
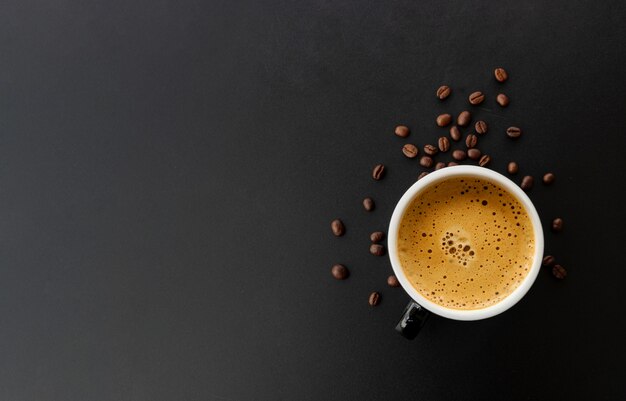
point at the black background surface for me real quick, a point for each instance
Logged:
(169, 170)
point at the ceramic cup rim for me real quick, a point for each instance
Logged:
(442, 175)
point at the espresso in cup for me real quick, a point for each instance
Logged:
(465, 243)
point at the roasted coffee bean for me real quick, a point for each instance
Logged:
(459, 155)
(548, 178)
(368, 204)
(392, 281)
(474, 153)
(559, 272)
(444, 119)
(443, 92)
(502, 99)
(513, 132)
(402, 131)
(557, 224)
(377, 236)
(340, 272)
(377, 249)
(455, 133)
(484, 160)
(464, 118)
(512, 168)
(337, 227)
(471, 141)
(500, 74)
(410, 150)
(422, 175)
(378, 172)
(450, 164)
(426, 161)
(548, 260)
(440, 165)
(480, 127)
(527, 183)
(443, 143)
(374, 298)
(430, 150)
(476, 98)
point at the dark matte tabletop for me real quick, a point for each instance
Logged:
(169, 171)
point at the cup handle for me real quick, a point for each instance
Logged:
(412, 321)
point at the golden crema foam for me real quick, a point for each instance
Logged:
(466, 243)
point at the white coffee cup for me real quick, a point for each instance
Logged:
(415, 314)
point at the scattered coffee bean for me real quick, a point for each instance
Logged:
(422, 175)
(484, 160)
(559, 272)
(392, 281)
(340, 272)
(455, 134)
(557, 224)
(512, 168)
(426, 161)
(502, 99)
(374, 298)
(464, 118)
(500, 74)
(430, 150)
(471, 141)
(480, 127)
(444, 119)
(378, 172)
(443, 92)
(548, 260)
(377, 249)
(443, 143)
(459, 155)
(548, 178)
(402, 131)
(474, 153)
(440, 165)
(337, 227)
(450, 164)
(368, 204)
(476, 98)
(377, 236)
(410, 150)
(513, 132)
(527, 183)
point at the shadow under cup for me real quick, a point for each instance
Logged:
(418, 309)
